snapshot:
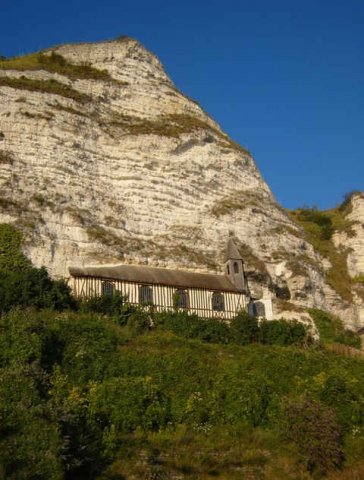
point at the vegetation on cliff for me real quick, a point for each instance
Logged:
(319, 227)
(44, 86)
(21, 284)
(54, 63)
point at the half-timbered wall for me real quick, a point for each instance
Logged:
(200, 301)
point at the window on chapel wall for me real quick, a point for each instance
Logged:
(180, 299)
(107, 288)
(236, 267)
(218, 302)
(145, 294)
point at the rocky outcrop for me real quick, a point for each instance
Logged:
(103, 160)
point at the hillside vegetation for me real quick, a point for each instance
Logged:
(102, 390)
(319, 227)
(54, 63)
(83, 396)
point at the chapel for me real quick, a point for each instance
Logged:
(205, 294)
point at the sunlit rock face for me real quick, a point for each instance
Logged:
(122, 167)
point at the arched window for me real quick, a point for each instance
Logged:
(145, 294)
(236, 267)
(107, 288)
(217, 302)
(180, 299)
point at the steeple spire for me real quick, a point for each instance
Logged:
(232, 253)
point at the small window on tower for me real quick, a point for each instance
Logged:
(236, 267)
(228, 269)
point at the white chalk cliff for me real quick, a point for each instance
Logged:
(114, 164)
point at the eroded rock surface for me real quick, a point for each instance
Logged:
(128, 169)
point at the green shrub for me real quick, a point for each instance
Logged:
(111, 305)
(128, 403)
(87, 347)
(30, 446)
(191, 326)
(32, 287)
(332, 330)
(314, 428)
(244, 329)
(11, 256)
(22, 285)
(282, 332)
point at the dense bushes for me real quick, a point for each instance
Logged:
(332, 330)
(23, 285)
(78, 390)
(282, 332)
(243, 329)
(312, 425)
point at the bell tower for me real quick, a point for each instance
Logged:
(234, 266)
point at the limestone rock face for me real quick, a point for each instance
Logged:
(122, 167)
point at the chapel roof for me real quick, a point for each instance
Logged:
(157, 276)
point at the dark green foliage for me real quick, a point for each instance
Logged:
(127, 403)
(192, 326)
(322, 220)
(313, 427)
(244, 329)
(22, 285)
(332, 330)
(29, 441)
(33, 287)
(11, 256)
(77, 390)
(282, 332)
(106, 304)
(86, 347)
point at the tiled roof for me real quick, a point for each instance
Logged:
(157, 276)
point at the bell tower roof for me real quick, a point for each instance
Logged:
(232, 253)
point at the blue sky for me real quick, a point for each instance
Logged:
(283, 78)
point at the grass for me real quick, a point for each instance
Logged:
(166, 125)
(224, 453)
(172, 126)
(285, 305)
(359, 279)
(54, 63)
(331, 329)
(185, 253)
(44, 86)
(100, 234)
(238, 200)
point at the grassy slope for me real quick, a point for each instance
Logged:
(225, 401)
(183, 368)
(54, 63)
